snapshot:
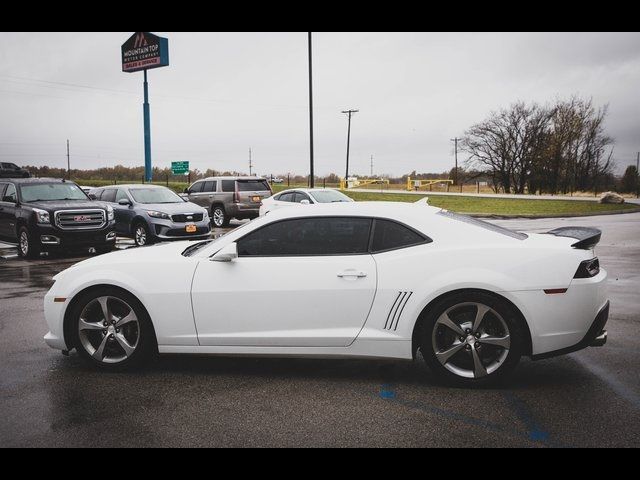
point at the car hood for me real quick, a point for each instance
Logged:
(67, 205)
(173, 208)
(145, 255)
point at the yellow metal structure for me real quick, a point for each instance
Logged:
(417, 184)
(353, 182)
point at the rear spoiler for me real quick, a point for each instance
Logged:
(587, 237)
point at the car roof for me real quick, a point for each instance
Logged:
(393, 210)
(35, 180)
(133, 185)
(308, 190)
(236, 177)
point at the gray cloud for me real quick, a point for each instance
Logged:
(226, 92)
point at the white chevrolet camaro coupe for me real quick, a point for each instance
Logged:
(370, 279)
(302, 196)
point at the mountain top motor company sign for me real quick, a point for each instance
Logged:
(144, 51)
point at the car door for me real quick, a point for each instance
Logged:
(307, 282)
(285, 199)
(8, 205)
(124, 214)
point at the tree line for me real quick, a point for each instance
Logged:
(531, 148)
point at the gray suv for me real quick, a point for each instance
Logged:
(150, 213)
(229, 197)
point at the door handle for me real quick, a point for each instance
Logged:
(352, 273)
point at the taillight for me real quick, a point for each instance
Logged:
(588, 269)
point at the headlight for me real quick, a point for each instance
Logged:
(206, 215)
(42, 217)
(154, 214)
(110, 213)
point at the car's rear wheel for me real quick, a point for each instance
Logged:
(141, 235)
(28, 247)
(112, 329)
(219, 217)
(472, 339)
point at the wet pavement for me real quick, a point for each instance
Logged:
(589, 398)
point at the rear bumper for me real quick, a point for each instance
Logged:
(243, 210)
(595, 337)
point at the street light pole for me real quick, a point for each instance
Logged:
(349, 113)
(455, 172)
(311, 174)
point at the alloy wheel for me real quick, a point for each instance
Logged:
(218, 217)
(471, 340)
(24, 244)
(109, 329)
(141, 236)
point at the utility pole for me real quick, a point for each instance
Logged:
(638, 174)
(250, 164)
(349, 113)
(455, 172)
(371, 166)
(311, 175)
(68, 162)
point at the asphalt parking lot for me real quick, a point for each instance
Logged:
(590, 398)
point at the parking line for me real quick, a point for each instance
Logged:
(536, 432)
(616, 385)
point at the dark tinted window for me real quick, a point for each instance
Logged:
(389, 235)
(252, 185)
(301, 196)
(228, 185)
(308, 236)
(286, 197)
(196, 187)
(109, 196)
(209, 187)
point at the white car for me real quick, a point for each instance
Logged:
(370, 279)
(304, 196)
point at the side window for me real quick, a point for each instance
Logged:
(196, 187)
(209, 187)
(10, 194)
(121, 195)
(299, 196)
(3, 186)
(286, 197)
(388, 235)
(228, 185)
(109, 195)
(308, 236)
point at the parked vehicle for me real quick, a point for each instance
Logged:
(229, 197)
(359, 279)
(151, 213)
(48, 214)
(11, 170)
(304, 196)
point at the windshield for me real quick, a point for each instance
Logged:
(329, 196)
(49, 192)
(154, 195)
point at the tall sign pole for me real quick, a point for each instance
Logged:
(144, 51)
(311, 174)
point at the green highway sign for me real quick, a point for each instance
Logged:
(180, 168)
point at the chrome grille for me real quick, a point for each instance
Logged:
(80, 219)
(187, 217)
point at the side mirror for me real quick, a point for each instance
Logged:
(187, 191)
(305, 202)
(227, 254)
(124, 202)
(92, 196)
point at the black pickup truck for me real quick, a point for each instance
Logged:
(48, 214)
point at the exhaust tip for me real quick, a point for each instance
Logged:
(600, 340)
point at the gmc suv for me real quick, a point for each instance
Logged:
(49, 214)
(229, 197)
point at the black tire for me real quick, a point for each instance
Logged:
(28, 247)
(461, 301)
(219, 217)
(140, 239)
(146, 347)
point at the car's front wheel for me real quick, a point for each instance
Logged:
(141, 235)
(472, 339)
(112, 329)
(219, 217)
(28, 247)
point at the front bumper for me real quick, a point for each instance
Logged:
(52, 238)
(168, 230)
(595, 337)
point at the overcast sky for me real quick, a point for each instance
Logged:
(226, 92)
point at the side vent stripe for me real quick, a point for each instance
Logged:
(402, 310)
(395, 313)
(389, 315)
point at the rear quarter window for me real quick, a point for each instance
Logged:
(390, 235)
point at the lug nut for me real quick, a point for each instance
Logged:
(104, 332)
(462, 339)
(468, 330)
(468, 347)
(105, 324)
(117, 330)
(478, 335)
